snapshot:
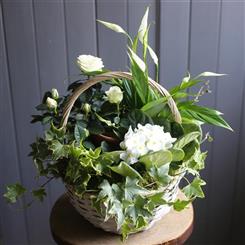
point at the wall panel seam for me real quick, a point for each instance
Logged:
(66, 40)
(210, 174)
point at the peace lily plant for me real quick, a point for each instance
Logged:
(122, 138)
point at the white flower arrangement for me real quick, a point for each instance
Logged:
(143, 140)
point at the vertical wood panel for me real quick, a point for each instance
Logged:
(111, 45)
(51, 56)
(13, 222)
(174, 35)
(80, 31)
(229, 100)
(204, 43)
(25, 92)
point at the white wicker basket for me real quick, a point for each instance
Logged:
(85, 208)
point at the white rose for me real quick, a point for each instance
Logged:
(51, 103)
(114, 95)
(89, 63)
(55, 94)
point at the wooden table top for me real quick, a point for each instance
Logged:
(69, 227)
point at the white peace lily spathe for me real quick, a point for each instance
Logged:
(143, 140)
(89, 63)
(114, 95)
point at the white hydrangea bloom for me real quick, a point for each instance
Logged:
(143, 140)
(89, 63)
(114, 95)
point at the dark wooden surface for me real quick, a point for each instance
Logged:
(69, 227)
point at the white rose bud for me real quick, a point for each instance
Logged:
(114, 95)
(55, 94)
(86, 108)
(89, 63)
(51, 103)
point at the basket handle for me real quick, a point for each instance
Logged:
(110, 75)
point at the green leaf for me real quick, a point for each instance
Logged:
(140, 63)
(138, 116)
(177, 154)
(180, 204)
(126, 170)
(14, 192)
(157, 158)
(80, 133)
(108, 158)
(185, 85)
(59, 150)
(154, 107)
(132, 189)
(194, 189)
(204, 114)
(186, 139)
(39, 193)
(137, 209)
(161, 174)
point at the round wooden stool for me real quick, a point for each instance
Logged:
(69, 227)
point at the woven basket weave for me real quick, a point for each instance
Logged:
(84, 205)
(85, 208)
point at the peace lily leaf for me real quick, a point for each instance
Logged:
(14, 192)
(39, 194)
(155, 107)
(186, 139)
(143, 26)
(194, 189)
(132, 189)
(210, 74)
(185, 85)
(137, 60)
(125, 170)
(177, 154)
(204, 114)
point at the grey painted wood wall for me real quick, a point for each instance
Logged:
(39, 41)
